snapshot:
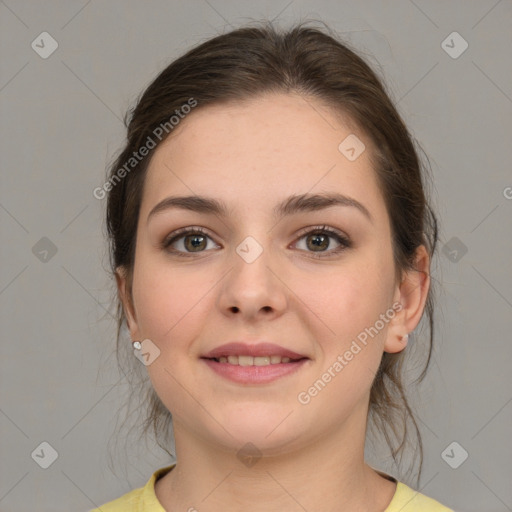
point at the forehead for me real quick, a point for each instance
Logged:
(254, 152)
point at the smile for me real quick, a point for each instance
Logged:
(254, 370)
(253, 361)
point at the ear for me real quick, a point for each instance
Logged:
(412, 295)
(124, 293)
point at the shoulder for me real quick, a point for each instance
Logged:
(142, 499)
(129, 502)
(409, 500)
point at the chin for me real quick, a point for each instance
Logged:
(271, 428)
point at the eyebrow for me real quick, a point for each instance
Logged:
(291, 205)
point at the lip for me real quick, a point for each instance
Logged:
(238, 348)
(254, 374)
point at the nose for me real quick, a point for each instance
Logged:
(253, 289)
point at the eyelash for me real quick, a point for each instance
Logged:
(344, 241)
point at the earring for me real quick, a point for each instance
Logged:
(137, 345)
(405, 338)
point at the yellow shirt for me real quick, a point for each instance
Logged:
(144, 499)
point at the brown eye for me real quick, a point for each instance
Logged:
(319, 241)
(194, 243)
(186, 241)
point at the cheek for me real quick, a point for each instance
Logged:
(350, 306)
(170, 312)
(348, 299)
(350, 302)
(167, 301)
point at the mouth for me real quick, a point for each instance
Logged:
(254, 364)
(239, 360)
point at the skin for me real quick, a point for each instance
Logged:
(252, 155)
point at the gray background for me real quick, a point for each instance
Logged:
(60, 126)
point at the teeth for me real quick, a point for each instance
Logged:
(245, 360)
(253, 361)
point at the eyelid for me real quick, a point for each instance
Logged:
(181, 232)
(185, 230)
(321, 227)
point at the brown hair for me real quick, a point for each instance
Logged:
(309, 61)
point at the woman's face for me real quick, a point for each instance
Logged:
(258, 274)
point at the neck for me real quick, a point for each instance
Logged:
(328, 474)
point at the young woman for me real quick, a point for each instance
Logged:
(271, 240)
